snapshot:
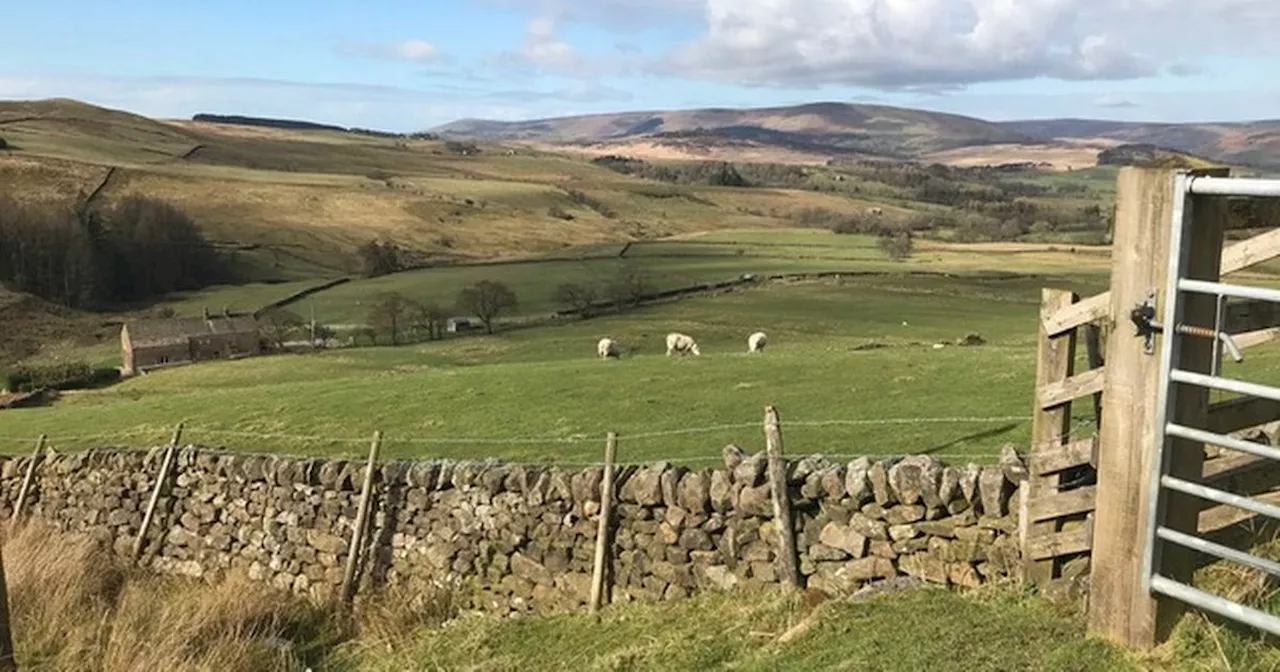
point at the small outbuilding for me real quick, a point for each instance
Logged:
(157, 343)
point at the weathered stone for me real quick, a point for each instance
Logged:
(969, 482)
(666, 534)
(799, 471)
(644, 487)
(1071, 592)
(869, 527)
(867, 569)
(873, 511)
(721, 491)
(326, 543)
(905, 513)
(750, 472)
(1006, 524)
(584, 486)
(911, 545)
(958, 505)
(811, 487)
(938, 528)
(694, 492)
(720, 576)
(733, 456)
(766, 572)
(975, 534)
(882, 549)
(903, 532)
(824, 553)
(915, 479)
(925, 566)
(963, 575)
(694, 539)
(1076, 567)
(845, 538)
(755, 501)
(833, 479)
(878, 477)
(992, 486)
(856, 485)
(530, 570)
(1012, 464)
(669, 482)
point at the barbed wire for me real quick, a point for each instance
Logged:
(529, 440)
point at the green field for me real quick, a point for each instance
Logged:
(851, 364)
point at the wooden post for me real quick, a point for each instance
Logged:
(1055, 362)
(7, 661)
(155, 492)
(362, 515)
(606, 511)
(26, 478)
(788, 560)
(1120, 609)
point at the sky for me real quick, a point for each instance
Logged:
(406, 66)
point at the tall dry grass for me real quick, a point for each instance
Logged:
(75, 606)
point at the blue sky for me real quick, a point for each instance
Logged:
(399, 65)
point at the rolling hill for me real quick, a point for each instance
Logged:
(1251, 143)
(821, 128)
(817, 132)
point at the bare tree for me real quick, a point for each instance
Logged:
(278, 325)
(390, 313)
(578, 296)
(486, 300)
(629, 286)
(428, 316)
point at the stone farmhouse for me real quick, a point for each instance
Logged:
(157, 343)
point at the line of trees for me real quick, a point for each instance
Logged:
(625, 290)
(403, 319)
(85, 257)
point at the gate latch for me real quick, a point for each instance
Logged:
(1144, 321)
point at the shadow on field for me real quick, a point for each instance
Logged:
(985, 434)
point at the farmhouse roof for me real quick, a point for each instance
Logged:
(179, 330)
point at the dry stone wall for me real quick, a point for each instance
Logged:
(520, 537)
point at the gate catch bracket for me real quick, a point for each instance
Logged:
(1144, 321)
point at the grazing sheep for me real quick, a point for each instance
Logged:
(756, 342)
(607, 347)
(682, 344)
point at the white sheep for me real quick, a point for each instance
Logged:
(606, 348)
(681, 343)
(756, 342)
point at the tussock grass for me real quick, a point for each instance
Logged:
(1205, 643)
(74, 606)
(926, 629)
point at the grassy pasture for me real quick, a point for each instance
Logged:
(543, 385)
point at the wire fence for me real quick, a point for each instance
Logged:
(516, 449)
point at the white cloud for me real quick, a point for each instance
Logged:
(545, 51)
(412, 51)
(416, 50)
(1113, 100)
(896, 44)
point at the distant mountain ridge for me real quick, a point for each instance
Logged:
(839, 129)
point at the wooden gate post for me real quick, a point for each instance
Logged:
(1119, 608)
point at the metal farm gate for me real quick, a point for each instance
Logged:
(1182, 393)
(1125, 500)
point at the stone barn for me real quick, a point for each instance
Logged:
(152, 344)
